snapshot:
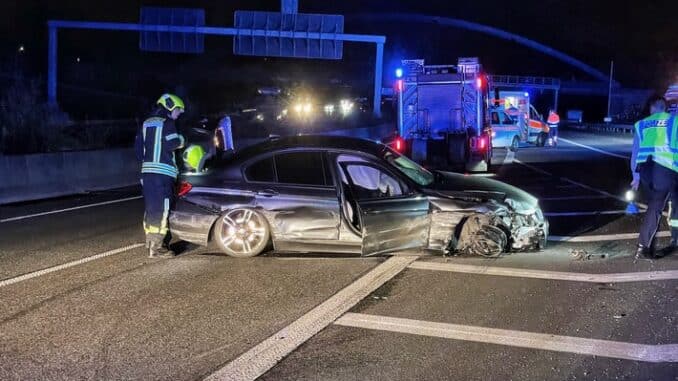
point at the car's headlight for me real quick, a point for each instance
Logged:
(524, 208)
(539, 214)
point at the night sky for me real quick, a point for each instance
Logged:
(640, 36)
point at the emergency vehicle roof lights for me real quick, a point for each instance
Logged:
(399, 72)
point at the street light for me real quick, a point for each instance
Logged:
(399, 73)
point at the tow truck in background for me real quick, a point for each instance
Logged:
(442, 114)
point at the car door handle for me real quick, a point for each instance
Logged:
(267, 193)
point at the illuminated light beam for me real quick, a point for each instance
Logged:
(492, 31)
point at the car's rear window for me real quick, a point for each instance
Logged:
(261, 170)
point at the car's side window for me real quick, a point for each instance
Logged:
(495, 118)
(369, 182)
(304, 168)
(261, 170)
(507, 119)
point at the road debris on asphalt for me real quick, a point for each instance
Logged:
(583, 255)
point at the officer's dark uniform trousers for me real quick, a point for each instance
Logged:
(657, 183)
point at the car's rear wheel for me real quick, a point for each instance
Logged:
(242, 233)
(515, 143)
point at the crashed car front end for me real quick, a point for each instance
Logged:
(485, 218)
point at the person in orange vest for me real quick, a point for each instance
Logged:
(553, 121)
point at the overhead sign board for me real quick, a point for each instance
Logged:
(173, 42)
(274, 45)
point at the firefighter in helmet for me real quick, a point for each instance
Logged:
(155, 146)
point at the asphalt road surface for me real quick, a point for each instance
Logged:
(80, 300)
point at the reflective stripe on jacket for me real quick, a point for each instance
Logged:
(155, 145)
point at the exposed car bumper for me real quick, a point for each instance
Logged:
(189, 222)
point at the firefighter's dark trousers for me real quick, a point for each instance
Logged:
(158, 191)
(659, 184)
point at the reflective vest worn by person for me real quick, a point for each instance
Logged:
(155, 145)
(658, 138)
(194, 158)
(553, 118)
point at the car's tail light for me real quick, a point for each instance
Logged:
(184, 188)
(482, 143)
(399, 144)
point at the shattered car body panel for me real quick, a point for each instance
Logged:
(364, 198)
(517, 212)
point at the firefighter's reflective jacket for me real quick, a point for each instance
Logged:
(155, 145)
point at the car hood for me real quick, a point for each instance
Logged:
(455, 185)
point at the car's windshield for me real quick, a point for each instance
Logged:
(411, 169)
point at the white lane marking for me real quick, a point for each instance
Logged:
(508, 159)
(601, 238)
(545, 274)
(596, 149)
(583, 197)
(269, 352)
(48, 270)
(589, 213)
(532, 167)
(70, 209)
(587, 187)
(522, 339)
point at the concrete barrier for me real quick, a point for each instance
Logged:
(39, 176)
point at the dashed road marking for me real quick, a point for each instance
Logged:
(587, 213)
(583, 197)
(510, 156)
(595, 149)
(49, 270)
(269, 352)
(587, 187)
(522, 339)
(70, 209)
(601, 238)
(545, 274)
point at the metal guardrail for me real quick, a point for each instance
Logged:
(603, 127)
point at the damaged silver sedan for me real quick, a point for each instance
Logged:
(344, 195)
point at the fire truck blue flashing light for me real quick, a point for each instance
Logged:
(399, 73)
(527, 94)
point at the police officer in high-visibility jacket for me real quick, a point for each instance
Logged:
(654, 166)
(155, 145)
